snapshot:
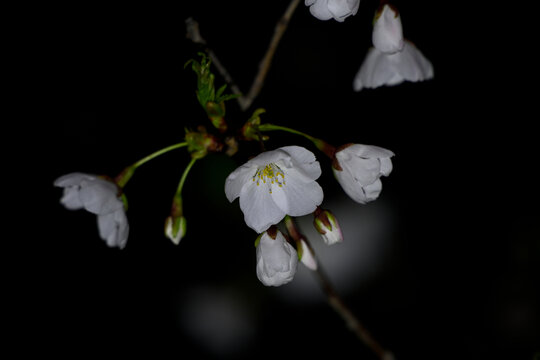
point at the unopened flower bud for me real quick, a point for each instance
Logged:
(387, 34)
(327, 225)
(306, 255)
(175, 228)
(276, 258)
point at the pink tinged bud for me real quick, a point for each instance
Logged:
(276, 259)
(327, 225)
(387, 33)
(175, 228)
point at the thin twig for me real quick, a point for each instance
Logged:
(193, 33)
(335, 301)
(245, 101)
(265, 63)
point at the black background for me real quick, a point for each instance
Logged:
(108, 87)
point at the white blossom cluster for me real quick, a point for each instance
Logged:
(279, 184)
(283, 182)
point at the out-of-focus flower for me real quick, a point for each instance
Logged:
(98, 196)
(339, 10)
(327, 225)
(276, 259)
(358, 169)
(380, 69)
(274, 184)
(387, 35)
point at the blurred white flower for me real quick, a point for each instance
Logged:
(339, 10)
(274, 184)
(276, 259)
(100, 197)
(380, 69)
(387, 35)
(358, 169)
(327, 225)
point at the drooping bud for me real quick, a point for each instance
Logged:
(305, 252)
(387, 35)
(327, 225)
(175, 224)
(276, 258)
(175, 228)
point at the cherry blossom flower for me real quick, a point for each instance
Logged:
(387, 35)
(97, 196)
(274, 184)
(339, 10)
(276, 259)
(358, 169)
(380, 68)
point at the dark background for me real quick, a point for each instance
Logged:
(458, 276)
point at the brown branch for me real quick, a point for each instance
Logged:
(245, 101)
(335, 301)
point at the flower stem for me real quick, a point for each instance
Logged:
(335, 301)
(184, 176)
(158, 153)
(245, 101)
(322, 145)
(122, 179)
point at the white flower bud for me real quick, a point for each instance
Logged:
(387, 35)
(175, 228)
(276, 259)
(327, 225)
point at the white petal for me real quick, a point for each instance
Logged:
(372, 191)
(365, 171)
(308, 258)
(320, 10)
(71, 199)
(386, 166)
(260, 211)
(237, 179)
(368, 151)
(378, 69)
(268, 157)
(297, 197)
(341, 9)
(276, 260)
(350, 186)
(100, 196)
(412, 64)
(387, 33)
(304, 160)
(309, 2)
(114, 228)
(73, 179)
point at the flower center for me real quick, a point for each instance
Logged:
(270, 174)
